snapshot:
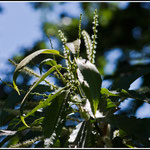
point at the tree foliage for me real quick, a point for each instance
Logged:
(77, 111)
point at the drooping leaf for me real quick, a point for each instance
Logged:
(90, 80)
(53, 114)
(28, 71)
(27, 60)
(48, 61)
(13, 99)
(33, 86)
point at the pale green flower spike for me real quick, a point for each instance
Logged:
(94, 36)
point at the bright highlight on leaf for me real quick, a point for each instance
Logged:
(74, 46)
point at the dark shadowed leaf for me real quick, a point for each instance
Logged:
(90, 80)
(133, 126)
(133, 94)
(53, 114)
(10, 103)
(126, 80)
(89, 136)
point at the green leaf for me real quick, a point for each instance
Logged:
(133, 126)
(13, 141)
(133, 94)
(45, 103)
(53, 114)
(110, 104)
(26, 60)
(130, 146)
(38, 121)
(129, 75)
(90, 80)
(106, 103)
(48, 61)
(81, 135)
(105, 91)
(57, 144)
(28, 71)
(136, 95)
(33, 86)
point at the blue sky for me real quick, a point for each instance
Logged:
(20, 26)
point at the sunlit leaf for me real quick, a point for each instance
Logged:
(105, 91)
(74, 46)
(110, 104)
(48, 61)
